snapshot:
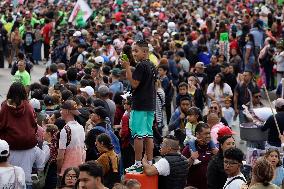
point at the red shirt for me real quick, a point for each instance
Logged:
(125, 131)
(234, 44)
(117, 16)
(46, 32)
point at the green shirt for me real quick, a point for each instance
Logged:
(23, 77)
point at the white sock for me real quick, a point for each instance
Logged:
(150, 162)
(138, 163)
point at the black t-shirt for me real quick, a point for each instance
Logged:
(244, 93)
(28, 39)
(144, 95)
(212, 71)
(273, 138)
(231, 80)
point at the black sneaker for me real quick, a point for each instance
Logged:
(10, 66)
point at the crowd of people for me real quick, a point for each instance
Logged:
(154, 87)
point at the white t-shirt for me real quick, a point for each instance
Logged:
(27, 159)
(9, 176)
(74, 152)
(77, 136)
(235, 184)
(163, 167)
(218, 93)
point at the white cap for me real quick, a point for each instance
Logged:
(125, 95)
(77, 34)
(89, 90)
(35, 103)
(171, 25)
(4, 148)
(99, 60)
(166, 35)
(156, 13)
(84, 32)
(154, 32)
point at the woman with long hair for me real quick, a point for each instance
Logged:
(218, 90)
(17, 119)
(249, 53)
(273, 156)
(18, 127)
(196, 92)
(108, 159)
(262, 175)
(69, 178)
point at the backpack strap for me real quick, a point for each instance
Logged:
(235, 178)
(68, 132)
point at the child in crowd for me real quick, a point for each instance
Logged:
(127, 152)
(194, 116)
(167, 87)
(228, 111)
(182, 92)
(142, 81)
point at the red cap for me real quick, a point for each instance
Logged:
(224, 131)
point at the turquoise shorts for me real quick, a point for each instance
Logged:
(141, 123)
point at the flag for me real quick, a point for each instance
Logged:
(81, 13)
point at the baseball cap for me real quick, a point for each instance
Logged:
(71, 106)
(84, 32)
(77, 34)
(199, 65)
(115, 71)
(224, 131)
(35, 103)
(89, 90)
(4, 148)
(89, 66)
(99, 60)
(103, 90)
(166, 35)
(48, 100)
(279, 103)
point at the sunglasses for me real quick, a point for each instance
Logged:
(214, 107)
(258, 96)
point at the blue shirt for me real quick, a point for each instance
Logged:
(258, 37)
(52, 79)
(279, 176)
(204, 57)
(279, 90)
(115, 87)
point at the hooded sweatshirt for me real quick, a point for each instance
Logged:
(18, 125)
